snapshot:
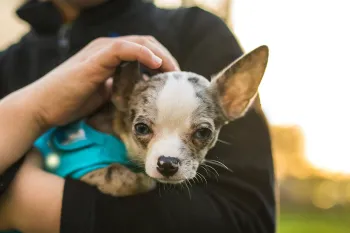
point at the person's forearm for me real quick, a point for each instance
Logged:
(19, 128)
(33, 202)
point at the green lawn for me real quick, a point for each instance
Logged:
(306, 222)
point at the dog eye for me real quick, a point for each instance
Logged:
(142, 129)
(202, 134)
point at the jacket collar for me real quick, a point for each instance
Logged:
(45, 18)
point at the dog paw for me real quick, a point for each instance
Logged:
(145, 183)
(118, 180)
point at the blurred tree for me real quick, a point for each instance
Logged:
(289, 152)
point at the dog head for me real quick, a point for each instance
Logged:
(169, 121)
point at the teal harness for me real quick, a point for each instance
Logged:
(77, 149)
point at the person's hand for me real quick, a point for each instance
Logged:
(81, 84)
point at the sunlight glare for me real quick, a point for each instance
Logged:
(307, 79)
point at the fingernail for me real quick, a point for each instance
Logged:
(157, 59)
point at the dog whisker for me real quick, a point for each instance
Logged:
(211, 169)
(190, 181)
(218, 163)
(205, 169)
(160, 194)
(181, 186)
(202, 177)
(224, 142)
(170, 187)
(198, 176)
(195, 179)
(188, 189)
(210, 173)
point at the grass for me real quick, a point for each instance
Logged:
(320, 222)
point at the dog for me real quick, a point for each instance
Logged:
(168, 122)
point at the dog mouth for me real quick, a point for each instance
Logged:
(170, 181)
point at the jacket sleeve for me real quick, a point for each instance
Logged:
(5, 57)
(7, 177)
(9, 59)
(241, 200)
(2, 81)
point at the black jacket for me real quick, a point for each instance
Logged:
(238, 201)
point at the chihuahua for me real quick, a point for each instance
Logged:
(169, 121)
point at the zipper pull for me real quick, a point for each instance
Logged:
(64, 40)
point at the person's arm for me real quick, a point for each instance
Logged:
(19, 129)
(22, 205)
(6, 57)
(10, 116)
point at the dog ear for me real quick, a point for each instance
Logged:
(236, 86)
(124, 81)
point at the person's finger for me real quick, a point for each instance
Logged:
(102, 63)
(123, 50)
(166, 51)
(169, 62)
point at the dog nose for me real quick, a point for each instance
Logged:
(168, 166)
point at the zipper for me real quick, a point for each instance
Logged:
(64, 41)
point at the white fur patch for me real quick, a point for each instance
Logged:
(176, 94)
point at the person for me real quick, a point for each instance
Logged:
(238, 201)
